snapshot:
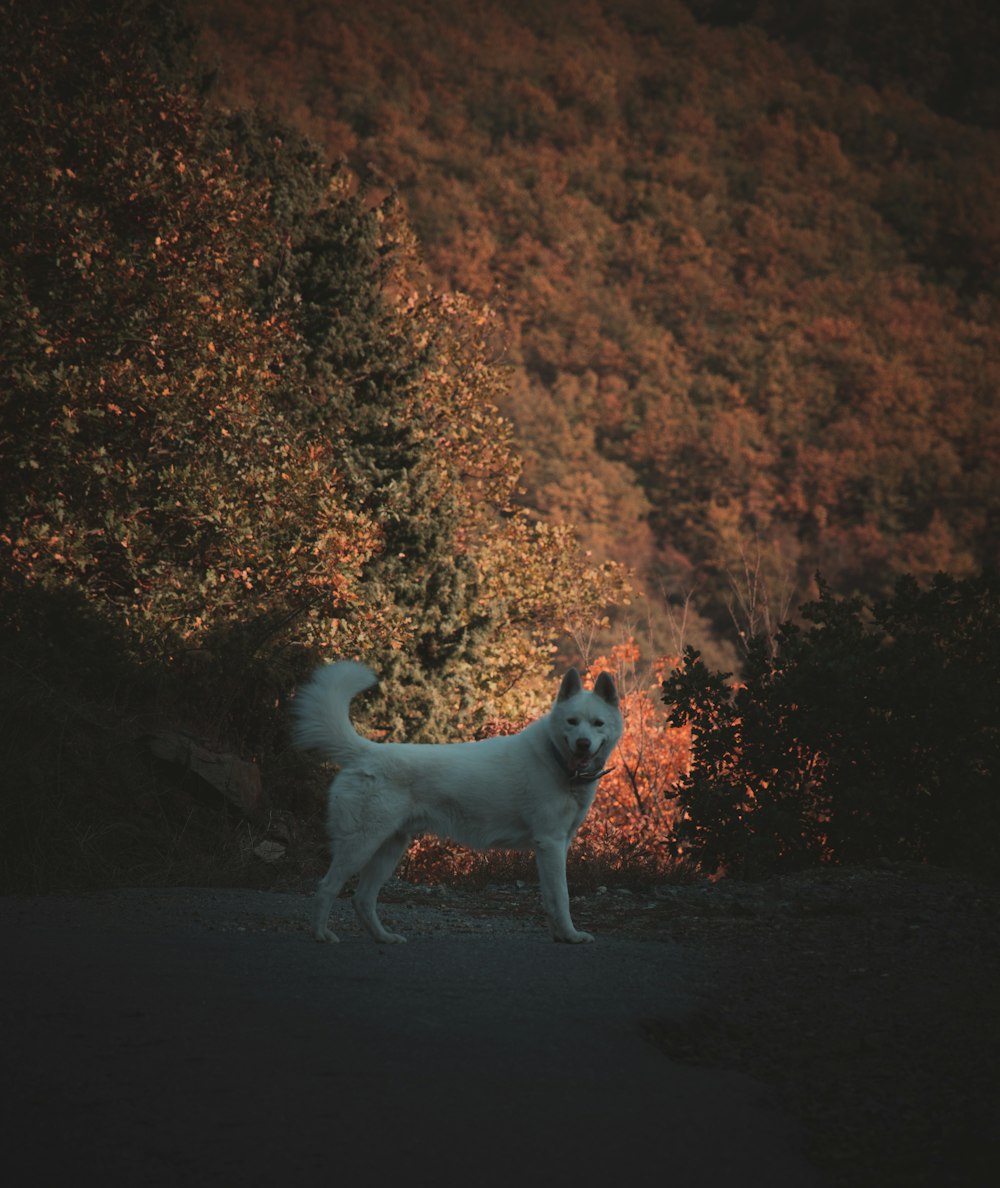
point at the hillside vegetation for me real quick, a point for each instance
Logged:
(402, 338)
(240, 432)
(749, 308)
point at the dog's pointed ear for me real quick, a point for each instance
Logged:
(571, 685)
(605, 689)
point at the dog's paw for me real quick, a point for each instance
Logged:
(324, 936)
(391, 938)
(575, 938)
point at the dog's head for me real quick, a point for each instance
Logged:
(586, 725)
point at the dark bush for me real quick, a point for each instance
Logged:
(873, 733)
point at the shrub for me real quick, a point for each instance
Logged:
(872, 734)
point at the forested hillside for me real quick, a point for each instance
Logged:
(749, 309)
(945, 56)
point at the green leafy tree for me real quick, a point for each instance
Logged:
(405, 382)
(237, 416)
(240, 432)
(152, 456)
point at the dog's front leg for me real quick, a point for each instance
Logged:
(551, 859)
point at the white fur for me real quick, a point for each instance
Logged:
(521, 791)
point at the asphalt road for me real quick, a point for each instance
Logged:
(201, 1038)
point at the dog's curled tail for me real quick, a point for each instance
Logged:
(321, 711)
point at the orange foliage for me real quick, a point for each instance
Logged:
(730, 282)
(629, 829)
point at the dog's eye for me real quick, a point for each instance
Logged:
(572, 721)
(598, 722)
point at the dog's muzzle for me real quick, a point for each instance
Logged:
(582, 768)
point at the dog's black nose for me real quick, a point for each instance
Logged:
(583, 746)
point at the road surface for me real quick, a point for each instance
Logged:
(200, 1038)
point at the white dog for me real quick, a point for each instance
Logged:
(529, 790)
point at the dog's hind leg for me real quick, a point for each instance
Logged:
(377, 870)
(350, 854)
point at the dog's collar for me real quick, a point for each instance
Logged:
(577, 775)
